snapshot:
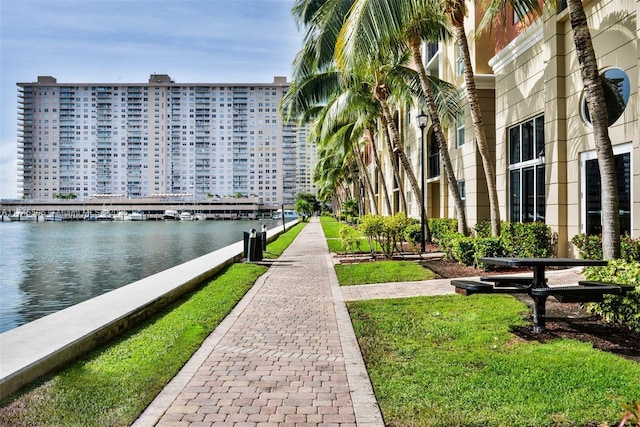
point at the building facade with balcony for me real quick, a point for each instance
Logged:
(159, 137)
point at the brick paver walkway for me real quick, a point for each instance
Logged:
(286, 355)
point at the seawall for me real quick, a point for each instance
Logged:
(39, 347)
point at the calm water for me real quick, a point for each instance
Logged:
(48, 266)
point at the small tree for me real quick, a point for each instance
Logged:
(306, 204)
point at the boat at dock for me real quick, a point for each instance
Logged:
(289, 215)
(53, 217)
(122, 216)
(171, 215)
(186, 216)
(137, 216)
(23, 215)
(104, 216)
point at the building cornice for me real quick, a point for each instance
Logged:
(483, 82)
(529, 38)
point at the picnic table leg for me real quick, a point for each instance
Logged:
(538, 277)
(539, 312)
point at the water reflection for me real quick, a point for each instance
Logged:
(46, 267)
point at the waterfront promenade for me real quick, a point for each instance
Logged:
(286, 355)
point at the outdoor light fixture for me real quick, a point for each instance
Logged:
(423, 120)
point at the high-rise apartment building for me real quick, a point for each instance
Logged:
(161, 137)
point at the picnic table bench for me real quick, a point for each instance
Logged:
(536, 286)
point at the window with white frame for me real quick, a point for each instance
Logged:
(459, 62)
(527, 171)
(592, 190)
(462, 185)
(460, 129)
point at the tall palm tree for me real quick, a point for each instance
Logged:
(374, 26)
(380, 173)
(598, 112)
(596, 103)
(456, 10)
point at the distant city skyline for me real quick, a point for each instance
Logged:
(243, 41)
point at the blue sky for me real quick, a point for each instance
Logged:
(124, 41)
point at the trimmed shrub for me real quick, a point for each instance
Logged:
(372, 226)
(394, 227)
(349, 239)
(590, 247)
(625, 309)
(413, 235)
(441, 227)
(528, 240)
(483, 229)
(463, 249)
(487, 247)
(630, 249)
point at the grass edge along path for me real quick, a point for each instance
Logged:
(113, 385)
(448, 360)
(381, 272)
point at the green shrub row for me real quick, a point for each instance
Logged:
(590, 247)
(389, 232)
(529, 240)
(624, 310)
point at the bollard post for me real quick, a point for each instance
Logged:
(264, 237)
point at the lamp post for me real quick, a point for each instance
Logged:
(422, 123)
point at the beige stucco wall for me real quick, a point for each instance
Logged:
(539, 73)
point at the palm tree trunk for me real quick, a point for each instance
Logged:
(437, 131)
(598, 113)
(385, 191)
(399, 149)
(395, 166)
(367, 181)
(478, 127)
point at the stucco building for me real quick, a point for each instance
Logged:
(532, 100)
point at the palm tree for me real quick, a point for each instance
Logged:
(374, 26)
(338, 127)
(379, 171)
(456, 9)
(596, 103)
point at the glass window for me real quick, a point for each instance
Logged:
(593, 199)
(527, 171)
(460, 129)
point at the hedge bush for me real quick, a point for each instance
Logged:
(590, 247)
(413, 236)
(441, 227)
(531, 240)
(387, 231)
(528, 239)
(487, 247)
(625, 309)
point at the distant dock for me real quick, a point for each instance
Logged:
(153, 208)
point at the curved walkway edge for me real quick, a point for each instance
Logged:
(285, 355)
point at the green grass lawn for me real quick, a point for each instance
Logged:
(381, 272)
(282, 242)
(452, 361)
(331, 228)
